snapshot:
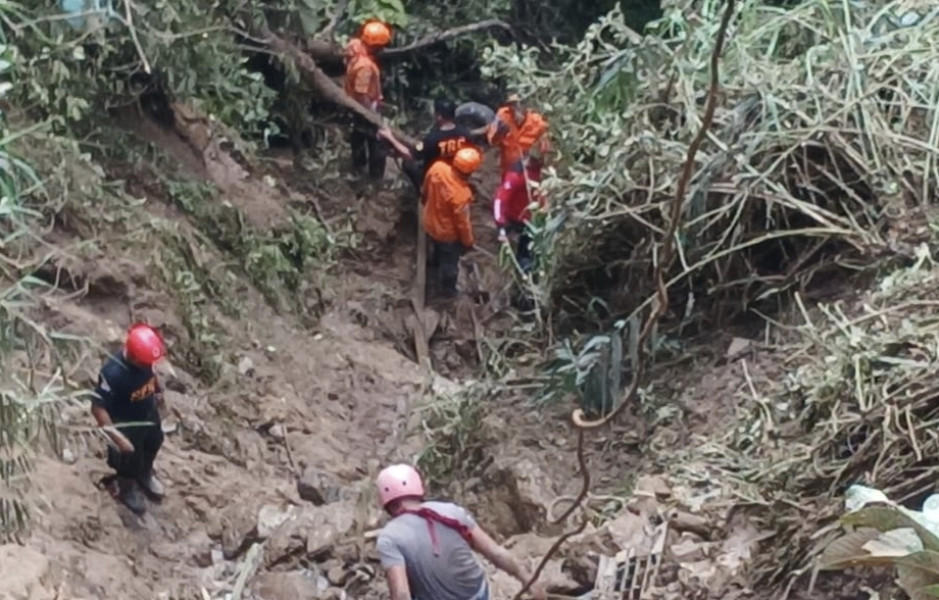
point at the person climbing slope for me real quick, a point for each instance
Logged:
(125, 405)
(446, 196)
(427, 548)
(511, 208)
(441, 142)
(363, 83)
(515, 130)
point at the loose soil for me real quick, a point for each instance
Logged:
(283, 448)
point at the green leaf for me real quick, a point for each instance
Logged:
(886, 518)
(915, 581)
(848, 551)
(310, 18)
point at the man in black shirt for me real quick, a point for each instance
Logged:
(442, 142)
(125, 406)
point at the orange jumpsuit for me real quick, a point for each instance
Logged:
(447, 197)
(518, 138)
(363, 82)
(363, 77)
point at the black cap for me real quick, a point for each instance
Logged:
(445, 108)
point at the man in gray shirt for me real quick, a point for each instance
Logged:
(427, 548)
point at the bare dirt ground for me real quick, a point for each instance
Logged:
(268, 471)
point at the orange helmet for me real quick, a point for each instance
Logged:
(467, 160)
(376, 33)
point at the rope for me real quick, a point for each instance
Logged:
(661, 307)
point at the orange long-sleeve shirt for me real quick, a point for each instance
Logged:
(363, 77)
(447, 197)
(517, 138)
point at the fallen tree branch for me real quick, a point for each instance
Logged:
(323, 85)
(448, 34)
(659, 274)
(324, 51)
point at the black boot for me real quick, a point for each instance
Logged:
(131, 495)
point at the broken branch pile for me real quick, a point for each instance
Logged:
(825, 124)
(856, 403)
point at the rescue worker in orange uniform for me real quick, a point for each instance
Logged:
(511, 208)
(515, 130)
(446, 196)
(126, 406)
(363, 83)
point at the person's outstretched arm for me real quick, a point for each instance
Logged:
(399, 147)
(501, 558)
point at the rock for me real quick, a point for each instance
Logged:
(337, 575)
(277, 432)
(246, 366)
(737, 347)
(534, 547)
(68, 457)
(655, 485)
(293, 585)
(317, 487)
(202, 557)
(312, 530)
(582, 568)
(335, 594)
(239, 525)
(689, 548)
(270, 517)
(632, 531)
(515, 496)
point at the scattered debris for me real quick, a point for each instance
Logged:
(317, 487)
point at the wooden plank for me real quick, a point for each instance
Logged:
(418, 290)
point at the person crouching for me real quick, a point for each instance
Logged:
(427, 548)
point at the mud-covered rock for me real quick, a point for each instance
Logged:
(318, 487)
(270, 517)
(581, 568)
(336, 573)
(654, 485)
(293, 585)
(310, 530)
(514, 496)
(530, 548)
(688, 548)
(239, 526)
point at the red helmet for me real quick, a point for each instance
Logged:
(144, 346)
